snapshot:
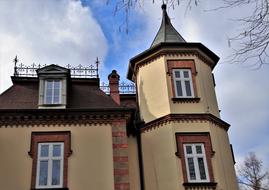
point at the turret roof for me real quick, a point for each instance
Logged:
(168, 40)
(167, 33)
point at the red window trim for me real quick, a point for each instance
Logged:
(182, 64)
(51, 136)
(183, 138)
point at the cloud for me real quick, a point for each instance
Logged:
(47, 32)
(243, 98)
(65, 32)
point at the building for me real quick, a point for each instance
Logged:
(59, 130)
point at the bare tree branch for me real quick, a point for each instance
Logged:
(128, 5)
(250, 45)
(252, 175)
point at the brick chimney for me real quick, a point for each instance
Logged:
(114, 78)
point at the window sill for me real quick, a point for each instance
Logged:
(52, 106)
(199, 185)
(51, 188)
(184, 100)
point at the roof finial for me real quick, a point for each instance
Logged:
(97, 61)
(167, 33)
(163, 6)
(97, 64)
(15, 60)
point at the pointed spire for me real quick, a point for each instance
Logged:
(167, 33)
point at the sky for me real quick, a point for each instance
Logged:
(76, 32)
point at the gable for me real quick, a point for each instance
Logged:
(52, 69)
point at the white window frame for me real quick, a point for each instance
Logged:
(50, 159)
(195, 157)
(182, 80)
(45, 91)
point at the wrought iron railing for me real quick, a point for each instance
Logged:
(105, 87)
(21, 70)
(80, 71)
(124, 88)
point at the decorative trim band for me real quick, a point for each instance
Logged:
(184, 117)
(172, 52)
(60, 118)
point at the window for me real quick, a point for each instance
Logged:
(182, 74)
(50, 165)
(196, 165)
(50, 152)
(183, 83)
(52, 91)
(53, 84)
(195, 152)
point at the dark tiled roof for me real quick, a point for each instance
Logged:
(86, 95)
(128, 100)
(167, 33)
(82, 94)
(21, 95)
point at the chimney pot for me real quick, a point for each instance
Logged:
(114, 78)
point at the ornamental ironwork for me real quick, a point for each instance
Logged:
(22, 70)
(80, 71)
(124, 88)
(105, 87)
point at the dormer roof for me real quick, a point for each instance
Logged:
(167, 32)
(52, 70)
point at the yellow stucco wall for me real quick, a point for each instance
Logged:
(223, 160)
(159, 159)
(155, 89)
(152, 89)
(205, 89)
(90, 166)
(163, 169)
(134, 176)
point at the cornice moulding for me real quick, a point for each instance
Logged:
(61, 117)
(184, 118)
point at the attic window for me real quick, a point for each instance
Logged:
(52, 91)
(53, 87)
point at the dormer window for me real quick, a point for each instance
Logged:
(53, 91)
(53, 81)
